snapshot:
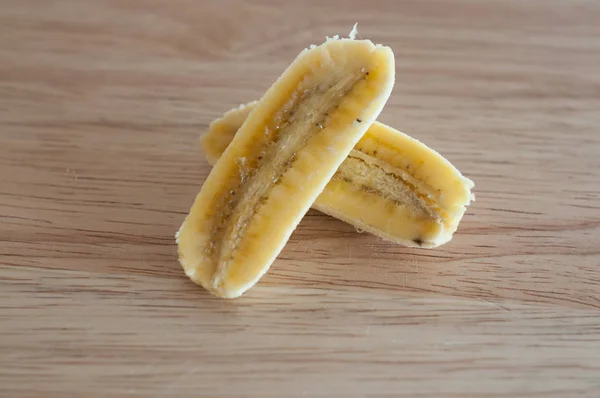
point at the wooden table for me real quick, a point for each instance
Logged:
(101, 104)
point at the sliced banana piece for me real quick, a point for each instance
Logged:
(287, 149)
(390, 185)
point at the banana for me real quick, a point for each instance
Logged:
(390, 185)
(285, 152)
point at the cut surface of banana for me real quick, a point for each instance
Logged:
(286, 150)
(390, 185)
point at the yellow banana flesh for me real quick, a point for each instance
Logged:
(279, 161)
(390, 185)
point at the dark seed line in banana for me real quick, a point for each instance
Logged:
(408, 177)
(364, 172)
(304, 116)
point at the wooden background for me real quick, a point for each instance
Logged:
(101, 104)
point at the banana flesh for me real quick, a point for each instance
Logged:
(280, 159)
(390, 185)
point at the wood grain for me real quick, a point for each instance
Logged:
(101, 103)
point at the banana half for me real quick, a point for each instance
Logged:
(287, 149)
(390, 185)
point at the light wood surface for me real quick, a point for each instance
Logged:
(101, 103)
